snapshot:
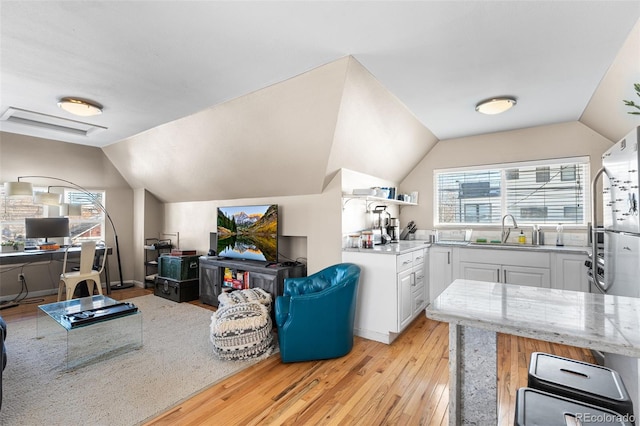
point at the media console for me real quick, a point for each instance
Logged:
(269, 278)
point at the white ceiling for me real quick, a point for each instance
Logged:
(152, 62)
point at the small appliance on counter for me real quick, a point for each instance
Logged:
(381, 225)
(394, 229)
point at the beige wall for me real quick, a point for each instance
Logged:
(85, 166)
(537, 143)
(309, 224)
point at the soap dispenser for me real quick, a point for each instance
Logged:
(560, 235)
(522, 239)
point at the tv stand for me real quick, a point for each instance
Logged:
(269, 278)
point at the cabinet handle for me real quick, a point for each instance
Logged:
(406, 262)
(448, 258)
(498, 274)
(505, 276)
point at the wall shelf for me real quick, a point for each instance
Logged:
(370, 199)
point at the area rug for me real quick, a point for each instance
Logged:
(175, 362)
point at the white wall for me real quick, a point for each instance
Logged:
(355, 216)
(309, 224)
(538, 143)
(85, 166)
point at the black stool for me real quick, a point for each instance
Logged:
(589, 383)
(536, 407)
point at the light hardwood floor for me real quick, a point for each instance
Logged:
(404, 383)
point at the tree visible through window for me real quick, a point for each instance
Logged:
(549, 192)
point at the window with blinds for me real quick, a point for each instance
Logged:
(88, 225)
(541, 192)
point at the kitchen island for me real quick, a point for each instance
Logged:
(476, 311)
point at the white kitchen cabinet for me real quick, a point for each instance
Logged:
(440, 270)
(412, 285)
(506, 266)
(405, 296)
(391, 292)
(524, 275)
(480, 271)
(570, 272)
(420, 288)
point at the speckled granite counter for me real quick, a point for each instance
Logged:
(478, 310)
(521, 247)
(394, 248)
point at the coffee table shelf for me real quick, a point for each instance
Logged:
(93, 341)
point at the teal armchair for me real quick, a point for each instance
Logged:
(315, 314)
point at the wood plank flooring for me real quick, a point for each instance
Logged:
(404, 383)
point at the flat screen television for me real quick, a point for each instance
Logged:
(46, 227)
(248, 232)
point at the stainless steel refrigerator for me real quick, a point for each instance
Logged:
(620, 256)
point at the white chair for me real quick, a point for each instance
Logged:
(86, 273)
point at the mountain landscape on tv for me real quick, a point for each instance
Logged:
(248, 232)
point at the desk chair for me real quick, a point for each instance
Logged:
(86, 273)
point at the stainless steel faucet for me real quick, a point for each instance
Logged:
(505, 235)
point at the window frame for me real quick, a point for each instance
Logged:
(504, 169)
(43, 211)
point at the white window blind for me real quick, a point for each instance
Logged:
(90, 224)
(547, 192)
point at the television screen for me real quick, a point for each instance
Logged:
(47, 227)
(248, 232)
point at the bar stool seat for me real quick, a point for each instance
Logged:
(540, 408)
(581, 381)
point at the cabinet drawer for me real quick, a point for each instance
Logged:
(418, 257)
(404, 262)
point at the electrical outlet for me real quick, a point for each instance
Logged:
(20, 278)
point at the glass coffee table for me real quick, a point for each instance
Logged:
(99, 337)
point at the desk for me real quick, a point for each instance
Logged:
(31, 256)
(477, 310)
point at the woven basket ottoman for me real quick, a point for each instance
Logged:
(257, 294)
(242, 331)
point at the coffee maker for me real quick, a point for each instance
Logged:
(381, 223)
(394, 229)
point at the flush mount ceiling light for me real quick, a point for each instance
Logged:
(495, 105)
(80, 107)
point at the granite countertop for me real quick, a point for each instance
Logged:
(601, 322)
(406, 246)
(510, 246)
(400, 247)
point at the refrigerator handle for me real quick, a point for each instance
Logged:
(602, 286)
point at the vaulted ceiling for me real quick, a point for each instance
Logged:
(153, 64)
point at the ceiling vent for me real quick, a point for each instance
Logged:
(24, 117)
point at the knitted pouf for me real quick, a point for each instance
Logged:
(243, 296)
(242, 331)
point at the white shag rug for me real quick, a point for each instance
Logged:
(175, 362)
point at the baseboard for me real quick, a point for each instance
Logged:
(48, 292)
(386, 338)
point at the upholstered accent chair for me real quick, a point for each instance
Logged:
(315, 315)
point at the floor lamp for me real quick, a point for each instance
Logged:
(26, 188)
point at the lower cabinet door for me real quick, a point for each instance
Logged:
(405, 296)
